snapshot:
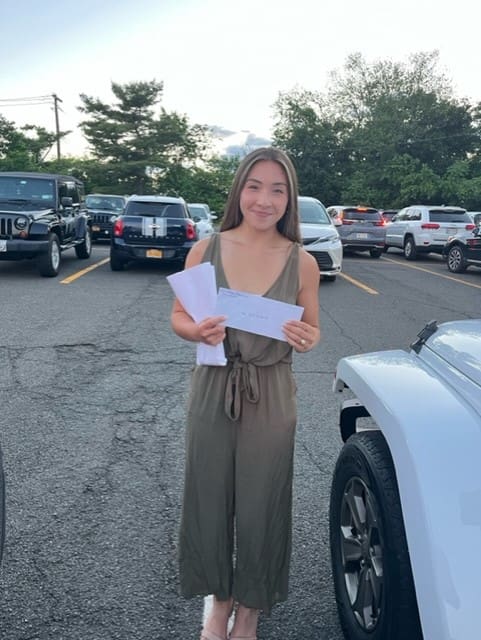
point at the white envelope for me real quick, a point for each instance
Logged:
(255, 313)
(196, 289)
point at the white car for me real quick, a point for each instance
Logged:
(203, 218)
(320, 237)
(425, 228)
(405, 509)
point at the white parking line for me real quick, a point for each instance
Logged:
(434, 273)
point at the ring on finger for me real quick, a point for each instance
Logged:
(303, 342)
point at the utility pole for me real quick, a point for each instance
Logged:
(56, 100)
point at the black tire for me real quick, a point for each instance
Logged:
(366, 519)
(375, 253)
(84, 250)
(410, 249)
(49, 263)
(116, 263)
(2, 508)
(455, 260)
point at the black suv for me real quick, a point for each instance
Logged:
(152, 228)
(41, 215)
(462, 250)
(103, 208)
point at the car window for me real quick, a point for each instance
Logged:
(200, 212)
(356, 213)
(155, 209)
(312, 212)
(35, 191)
(109, 203)
(449, 215)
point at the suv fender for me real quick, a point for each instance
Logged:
(417, 412)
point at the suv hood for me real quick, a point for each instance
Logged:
(32, 214)
(459, 344)
(315, 231)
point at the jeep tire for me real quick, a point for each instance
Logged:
(455, 260)
(410, 249)
(49, 262)
(371, 568)
(116, 263)
(84, 249)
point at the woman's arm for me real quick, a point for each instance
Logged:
(305, 333)
(209, 330)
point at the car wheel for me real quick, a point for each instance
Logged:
(456, 260)
(372, 574)
(49, 262)
(375, 253)
(84, 250)
(410, 249)
(116, 263)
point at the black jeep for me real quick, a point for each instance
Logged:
(41, 215)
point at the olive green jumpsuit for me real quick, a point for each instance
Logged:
(235, 534)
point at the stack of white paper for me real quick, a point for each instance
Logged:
(196, 290)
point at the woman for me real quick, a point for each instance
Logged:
(242, 417)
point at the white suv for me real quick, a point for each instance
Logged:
(425, 228)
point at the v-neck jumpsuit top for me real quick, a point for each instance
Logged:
(235, 534)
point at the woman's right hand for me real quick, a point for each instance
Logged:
(211, 330)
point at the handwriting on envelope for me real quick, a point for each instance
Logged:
(255, 313)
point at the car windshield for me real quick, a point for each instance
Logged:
(199, 212)
(312, 212)
(109, 203)
(155, 209)
(449, 215)
(34, 192)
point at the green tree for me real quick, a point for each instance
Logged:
(135, 139)
(24, 148)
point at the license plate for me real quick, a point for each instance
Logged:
(452, 231)
(3, 245)
(95, 227)
(153, 253)
(361, 236)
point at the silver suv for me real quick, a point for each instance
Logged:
(425, 228)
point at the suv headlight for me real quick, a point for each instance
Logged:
(21, 223)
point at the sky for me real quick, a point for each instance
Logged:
(222, 63)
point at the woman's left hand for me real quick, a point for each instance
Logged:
(301, 335)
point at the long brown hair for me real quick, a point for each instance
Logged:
(288, 225)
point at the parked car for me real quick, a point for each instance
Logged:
(203, 218)
(388, 214)
(152, 228)
(360, 228)
(425, 228)
(320, 237)
(405, 506)
(463, 250)
(42, 215)
(475, 217)
(103, 209)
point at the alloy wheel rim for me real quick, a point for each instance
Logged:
(362, 553)
(55, 253)
(454, 258)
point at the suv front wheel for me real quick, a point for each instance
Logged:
(49, 262)
(456, 260)
(410, 249)
(84, 249)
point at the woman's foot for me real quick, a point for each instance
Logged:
(217, 620)
(245, 623)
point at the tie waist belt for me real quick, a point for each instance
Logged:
(242, 379)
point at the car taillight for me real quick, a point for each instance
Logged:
(470, 227)
(118, 228)
(379, 223)
(430, 225)
(473, 242)
(190, 231)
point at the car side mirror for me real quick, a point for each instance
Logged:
(66, 202)
(196, 219)
(212, 217)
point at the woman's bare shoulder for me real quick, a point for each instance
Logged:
(308, 267)
(196, 254)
